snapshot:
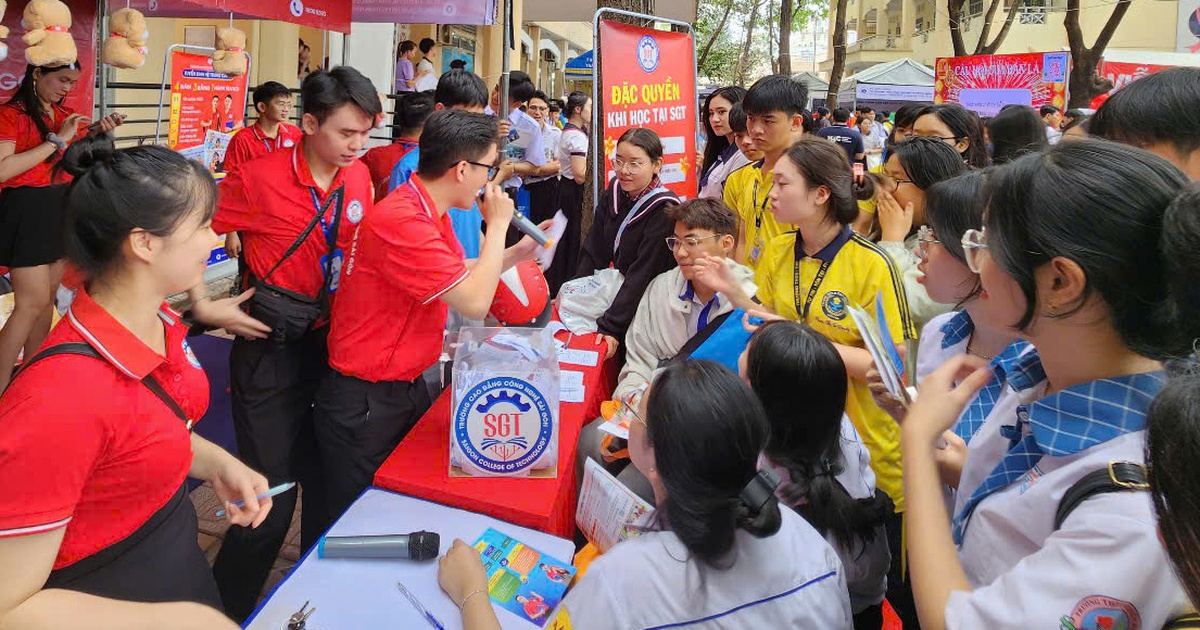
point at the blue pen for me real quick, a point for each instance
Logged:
(433, 621)
(280, 489)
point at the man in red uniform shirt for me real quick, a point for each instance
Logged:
(318, 186)
(273, 102)
(405, 270)
(412, 109)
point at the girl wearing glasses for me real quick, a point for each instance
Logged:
(628, 229)
(958, 127)
(911, 168)
(1094, 303)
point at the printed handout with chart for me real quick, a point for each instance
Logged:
(608, 512)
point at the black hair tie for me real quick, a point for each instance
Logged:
(759, 490)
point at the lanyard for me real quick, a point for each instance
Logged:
(760, 210)
(802, 309)
(316, 200)
(634, 213)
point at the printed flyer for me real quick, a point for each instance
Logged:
(522, 579)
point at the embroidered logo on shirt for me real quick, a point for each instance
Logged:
(834, 305)
(1097, 612)
(1030, 478)
(191, 356)
(354, 212)
(288, 143)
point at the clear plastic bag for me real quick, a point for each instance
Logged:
(583, 300)
(504, 419)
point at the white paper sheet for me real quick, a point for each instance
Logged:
(587, 358)
(608, 512)
(360, 594)
(571, 388)
(558, 226)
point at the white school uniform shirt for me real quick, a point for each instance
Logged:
(792, 579)
(525, 143)
(867, 564)
(550, 139)
(572, 142)
(1105, 568)
(715, 189)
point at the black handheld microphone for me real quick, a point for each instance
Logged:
(419, 546)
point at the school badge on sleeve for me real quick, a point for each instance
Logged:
(1098, 612)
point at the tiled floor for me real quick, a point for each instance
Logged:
(212, 531)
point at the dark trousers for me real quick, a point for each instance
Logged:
(358, 424)
(566, 257)
(272, 387)
(899, 590)
(871, 618)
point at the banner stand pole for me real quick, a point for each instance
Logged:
(505, 67)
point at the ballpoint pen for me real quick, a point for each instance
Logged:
(433, 621)
(280, 489)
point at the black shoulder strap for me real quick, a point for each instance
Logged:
(1187, 622)
(1116, 477)
(334, 197)
(80, 348)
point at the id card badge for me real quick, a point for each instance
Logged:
(335, 269)
(756, 251)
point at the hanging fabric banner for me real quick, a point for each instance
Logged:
(333, 15)
(648, 80)
(482, 12)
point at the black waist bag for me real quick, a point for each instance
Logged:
(292, 315)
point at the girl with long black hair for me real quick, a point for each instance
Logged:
(958, 127)
(721, 154)
(35, 129)
(824, 467)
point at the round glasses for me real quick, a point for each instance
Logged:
(924, 240)
(974, 242)
(690, 242)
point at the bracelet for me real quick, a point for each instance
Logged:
(462, 607)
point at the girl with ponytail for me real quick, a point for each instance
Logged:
(825, 469)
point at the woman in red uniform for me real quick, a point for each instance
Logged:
(96, 528)
(35, 128)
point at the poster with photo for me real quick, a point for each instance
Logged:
(522, 579)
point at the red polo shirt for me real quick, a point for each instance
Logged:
(18, 128)
(387, 322)
(250, 143)
(271, 204)
(84, 444)
(381, 160)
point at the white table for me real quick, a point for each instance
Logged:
(361, 594)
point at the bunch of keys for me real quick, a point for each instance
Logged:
(300, 617)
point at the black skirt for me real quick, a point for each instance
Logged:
(32, 225)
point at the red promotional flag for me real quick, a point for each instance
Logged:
(648, 79)
(331, 15)
(83, 30)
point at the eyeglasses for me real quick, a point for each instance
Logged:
(924, 240)
(893, 183)
(491, 168)
(633, 167)
(973, 244)
(633, 413)
(689, 242)
(943, 138)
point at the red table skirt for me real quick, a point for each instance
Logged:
(419, 467)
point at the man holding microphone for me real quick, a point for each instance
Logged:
(404, 271)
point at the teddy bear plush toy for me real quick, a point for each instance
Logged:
(126, 46)
(48, 34)
(230, 57)
(3, 32)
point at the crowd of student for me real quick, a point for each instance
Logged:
(1047, 283)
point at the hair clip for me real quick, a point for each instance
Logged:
(760, 489)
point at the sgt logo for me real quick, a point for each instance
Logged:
(354, 211)
(1097, 612)
(834, 305)
(503, 425)
(288, 143)
(647, 53)
(296, 7)
(191, 356)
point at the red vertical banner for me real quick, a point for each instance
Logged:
(202, 100)
(83, 31)
(648, 79)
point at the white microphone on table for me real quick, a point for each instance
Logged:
(419, 546)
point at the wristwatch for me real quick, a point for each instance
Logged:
(58, 142)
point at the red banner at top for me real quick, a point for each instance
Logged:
(333, 15)
(426, 11)
(649, 80)
(376, 11)
(83, 31)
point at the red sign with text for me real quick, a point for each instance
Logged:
(1122, 73)
(333, 15)
(648, 79)
(202, 100)
(83, 31)
(985, 83)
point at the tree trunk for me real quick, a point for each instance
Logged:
(786, 14)
(772, 40)
(991, 48)
(986, 29)
(744, 60)
(1085, 84)
(839, 53)
(716, 32)
(954, 11)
